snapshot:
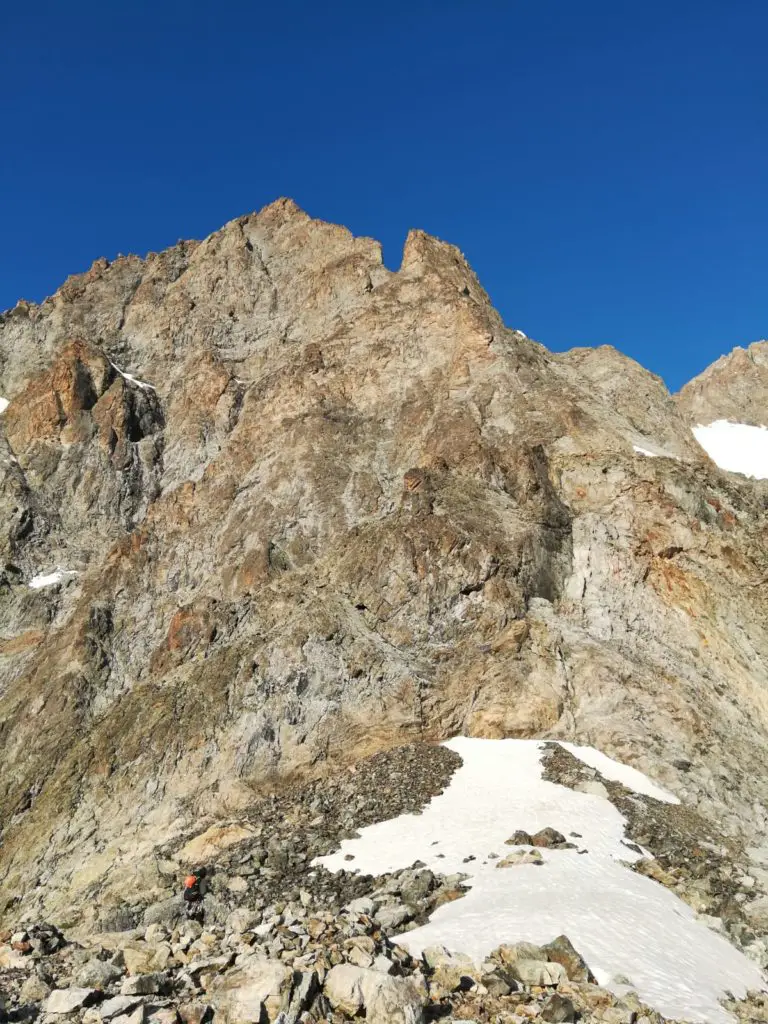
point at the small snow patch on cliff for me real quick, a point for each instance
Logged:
(736, 447)
(133, 380)
(50, 579)
(3, 404)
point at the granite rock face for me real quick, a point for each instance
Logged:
(305, 508)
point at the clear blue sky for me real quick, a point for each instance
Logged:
(603, 164)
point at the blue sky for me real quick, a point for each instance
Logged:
(603, 165)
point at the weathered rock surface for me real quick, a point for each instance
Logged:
(306, 509)
(735, 387)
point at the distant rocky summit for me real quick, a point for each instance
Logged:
(269, 508)
(733, 388)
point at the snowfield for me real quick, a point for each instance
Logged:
(736, 447)
(3, 404)
(627, 926)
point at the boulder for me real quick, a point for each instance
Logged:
(305, 989)
(449, 972)
(537, 972)
(11, 958)
(392, 915)
(67, 1000)
(561, 951)
(416, 885)
(117, 919)
(162, 1015)
(496, 985)
(383, 964)
(138, 960)
(756, 913)
(195, 1012)
(518, 857)
(97, 974)
(135, 1016)
(170, 913)
(519, 838)
(257, 985)
(118, 1006)
(155, 933)
(34, 990)
(548, 837)
(382, 998)
(241, 920)
(364, 905)
(558, 1010)
(518, 951)
(145, 985)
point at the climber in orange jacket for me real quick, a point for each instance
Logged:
(194, 890)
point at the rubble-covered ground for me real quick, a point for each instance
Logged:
(278, 935)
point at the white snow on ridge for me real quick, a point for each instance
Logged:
(736, 447)
(131, 379)
(58, 575)
(644, 451)
(618, 772)
(4, 403)
(623, 923)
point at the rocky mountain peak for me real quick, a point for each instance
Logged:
(735, 388)
(269, 507)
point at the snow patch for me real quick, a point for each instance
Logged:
(4, 403)
(58, 575)
(644, 451)
(131, 379)
(618, 772)
(623, 923)
(736, 447)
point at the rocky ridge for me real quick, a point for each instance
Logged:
(304, 509)
(735, 387)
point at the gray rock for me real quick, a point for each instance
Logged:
(392, 915)
(145, 985)
(34, 990)
(383, 999)
(383, 964)
(255, 986)
(67, 1000)
(169, 913)
(561, 950)
(537, 972)
(363, 905)
(98, 974)
(118, 1006)
(558, 1010)
(117, 919)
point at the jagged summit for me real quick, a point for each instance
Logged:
(291, 508)
(735, 387)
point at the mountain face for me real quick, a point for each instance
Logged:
(735, 387)
(269, 508)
